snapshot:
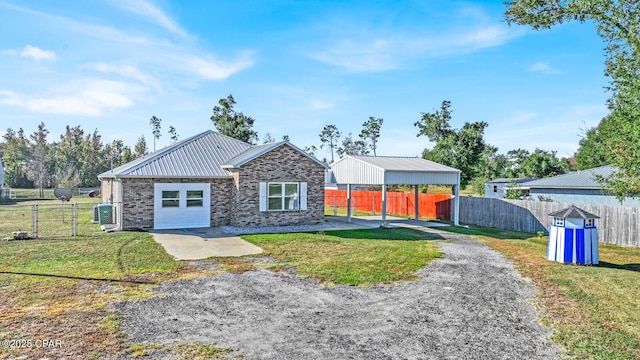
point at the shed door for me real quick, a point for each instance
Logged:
(180, 205)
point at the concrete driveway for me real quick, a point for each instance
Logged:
(198, 244)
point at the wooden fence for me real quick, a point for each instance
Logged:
(617, 225)
(432, 206)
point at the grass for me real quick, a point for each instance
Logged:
(352, 257)
(61, 288)
(54, 217)
(594, 310)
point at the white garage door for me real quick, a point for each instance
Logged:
(179, 206)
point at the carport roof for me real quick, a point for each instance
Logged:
(379, 170)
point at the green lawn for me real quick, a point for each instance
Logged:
(60, 289)
(594, 310)
(352, 257)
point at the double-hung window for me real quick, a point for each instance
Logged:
(170, 198)
(283, 196)
(195, 198)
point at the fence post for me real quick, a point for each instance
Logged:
(335, 209)
(74, 219)
(34, 220)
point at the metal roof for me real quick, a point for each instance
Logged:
(509, 180)
(259, 150)
(379, 170)
(573, 212)
(583, 179)
(201, 156)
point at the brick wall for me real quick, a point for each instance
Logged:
(137, 209)
(283, 164)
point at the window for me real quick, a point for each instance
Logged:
(283, 196)
(495, 188)
(559, 222)
(588, 223)
(194, 198)
(171, 198)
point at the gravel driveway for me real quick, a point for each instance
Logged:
(469, 304)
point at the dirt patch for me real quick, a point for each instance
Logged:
(470, 303)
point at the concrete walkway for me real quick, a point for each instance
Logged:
(198, 244)
(392, 221)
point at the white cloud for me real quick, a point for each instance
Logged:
(127, 71)
(389, 52)
(316, 104)
(82, 97)
(543, 67)
(9, 52)
(37, 53)
(371, 56)
(212, 69)
(148, 10)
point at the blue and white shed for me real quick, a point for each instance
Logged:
(573, 237)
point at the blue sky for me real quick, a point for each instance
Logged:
(296, 66)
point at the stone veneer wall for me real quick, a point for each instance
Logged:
(137, 212)
(281, 164)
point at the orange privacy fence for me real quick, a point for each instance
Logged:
(432, 206)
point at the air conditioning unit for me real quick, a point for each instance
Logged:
(95, 214)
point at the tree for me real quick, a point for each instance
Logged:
(140, 148)
(232, 123)
(39, 164)
(285, 138)
(15, 156)
(543, 163)
(371, 132)
(352, 147)
(268, 138)
(515, 161)
(329, 137)
(173, 135)
(311, 150)
(594, 150)
(617, 24)
(460, 148)
(155, 129)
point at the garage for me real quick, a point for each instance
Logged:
(182, 205)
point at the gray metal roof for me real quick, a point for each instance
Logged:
(509, 180)
(573, 212)
(397, 163)
(200, 156)
(259, 150)
(583, 179)
(372, 170)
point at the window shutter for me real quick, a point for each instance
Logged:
(263, 196)
(303, 196)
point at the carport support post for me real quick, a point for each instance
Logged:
(384, 202)
(348, 202)
(456, 203)
(416, 202)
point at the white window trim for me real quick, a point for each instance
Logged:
(283, 196)
(177, 200)
(187, 198)
(301, 200)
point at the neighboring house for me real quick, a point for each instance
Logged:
(211, 179)
(578, 187)
(497, 188)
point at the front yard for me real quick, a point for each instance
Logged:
(61, 289)
(594, 310)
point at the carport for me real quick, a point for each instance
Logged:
(392, 170)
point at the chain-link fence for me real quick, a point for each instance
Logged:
(48, 220)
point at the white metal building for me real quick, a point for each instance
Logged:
(390, 170)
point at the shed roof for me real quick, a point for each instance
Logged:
(200, 156)
(379, 170)
(573, 212)
(583, 179)
(509, 180)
